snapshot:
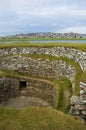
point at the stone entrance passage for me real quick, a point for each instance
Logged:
(23, 84)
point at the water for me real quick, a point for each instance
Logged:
(58, 41)
(46, 41)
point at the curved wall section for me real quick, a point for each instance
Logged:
(72, 53)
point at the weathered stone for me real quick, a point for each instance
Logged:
(44, 68)
(75, 54)
(39, 67)
(42, 90)
(78, 105)
(9, 88)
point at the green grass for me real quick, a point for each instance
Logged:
(83, 77)
(35, 118)
(25, 44)
(64, 88)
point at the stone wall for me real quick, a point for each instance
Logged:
(38, 67)
(12, 59)
(75, 54)
(9, 87)
(43, 90)
(78, 104)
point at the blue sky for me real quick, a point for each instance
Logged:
(25, 16)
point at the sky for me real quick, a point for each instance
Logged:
(28, 16)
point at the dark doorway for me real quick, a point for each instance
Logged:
(23, 84)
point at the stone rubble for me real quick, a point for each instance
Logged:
(78, 104)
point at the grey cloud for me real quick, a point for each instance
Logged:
(18, 16)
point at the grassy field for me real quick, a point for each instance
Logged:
(25, 44)
(35, 118)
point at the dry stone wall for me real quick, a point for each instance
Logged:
(72, 53)
(9, 87)
(13, 59)
(78, 104)
(41, 90)
(39, 67)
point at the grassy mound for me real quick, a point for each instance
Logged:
(35, 118)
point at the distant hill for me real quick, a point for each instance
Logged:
(47, 35)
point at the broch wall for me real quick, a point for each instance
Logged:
(9, 87)
(14, 59)
(43, 90)
(72, 53)
(39, 67)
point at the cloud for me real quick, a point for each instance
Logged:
(76, 29)
(41, 15)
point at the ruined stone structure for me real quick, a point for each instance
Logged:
(72, 53)
(38, 67)
(41, 92)
(9, 87)
(44, 92)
